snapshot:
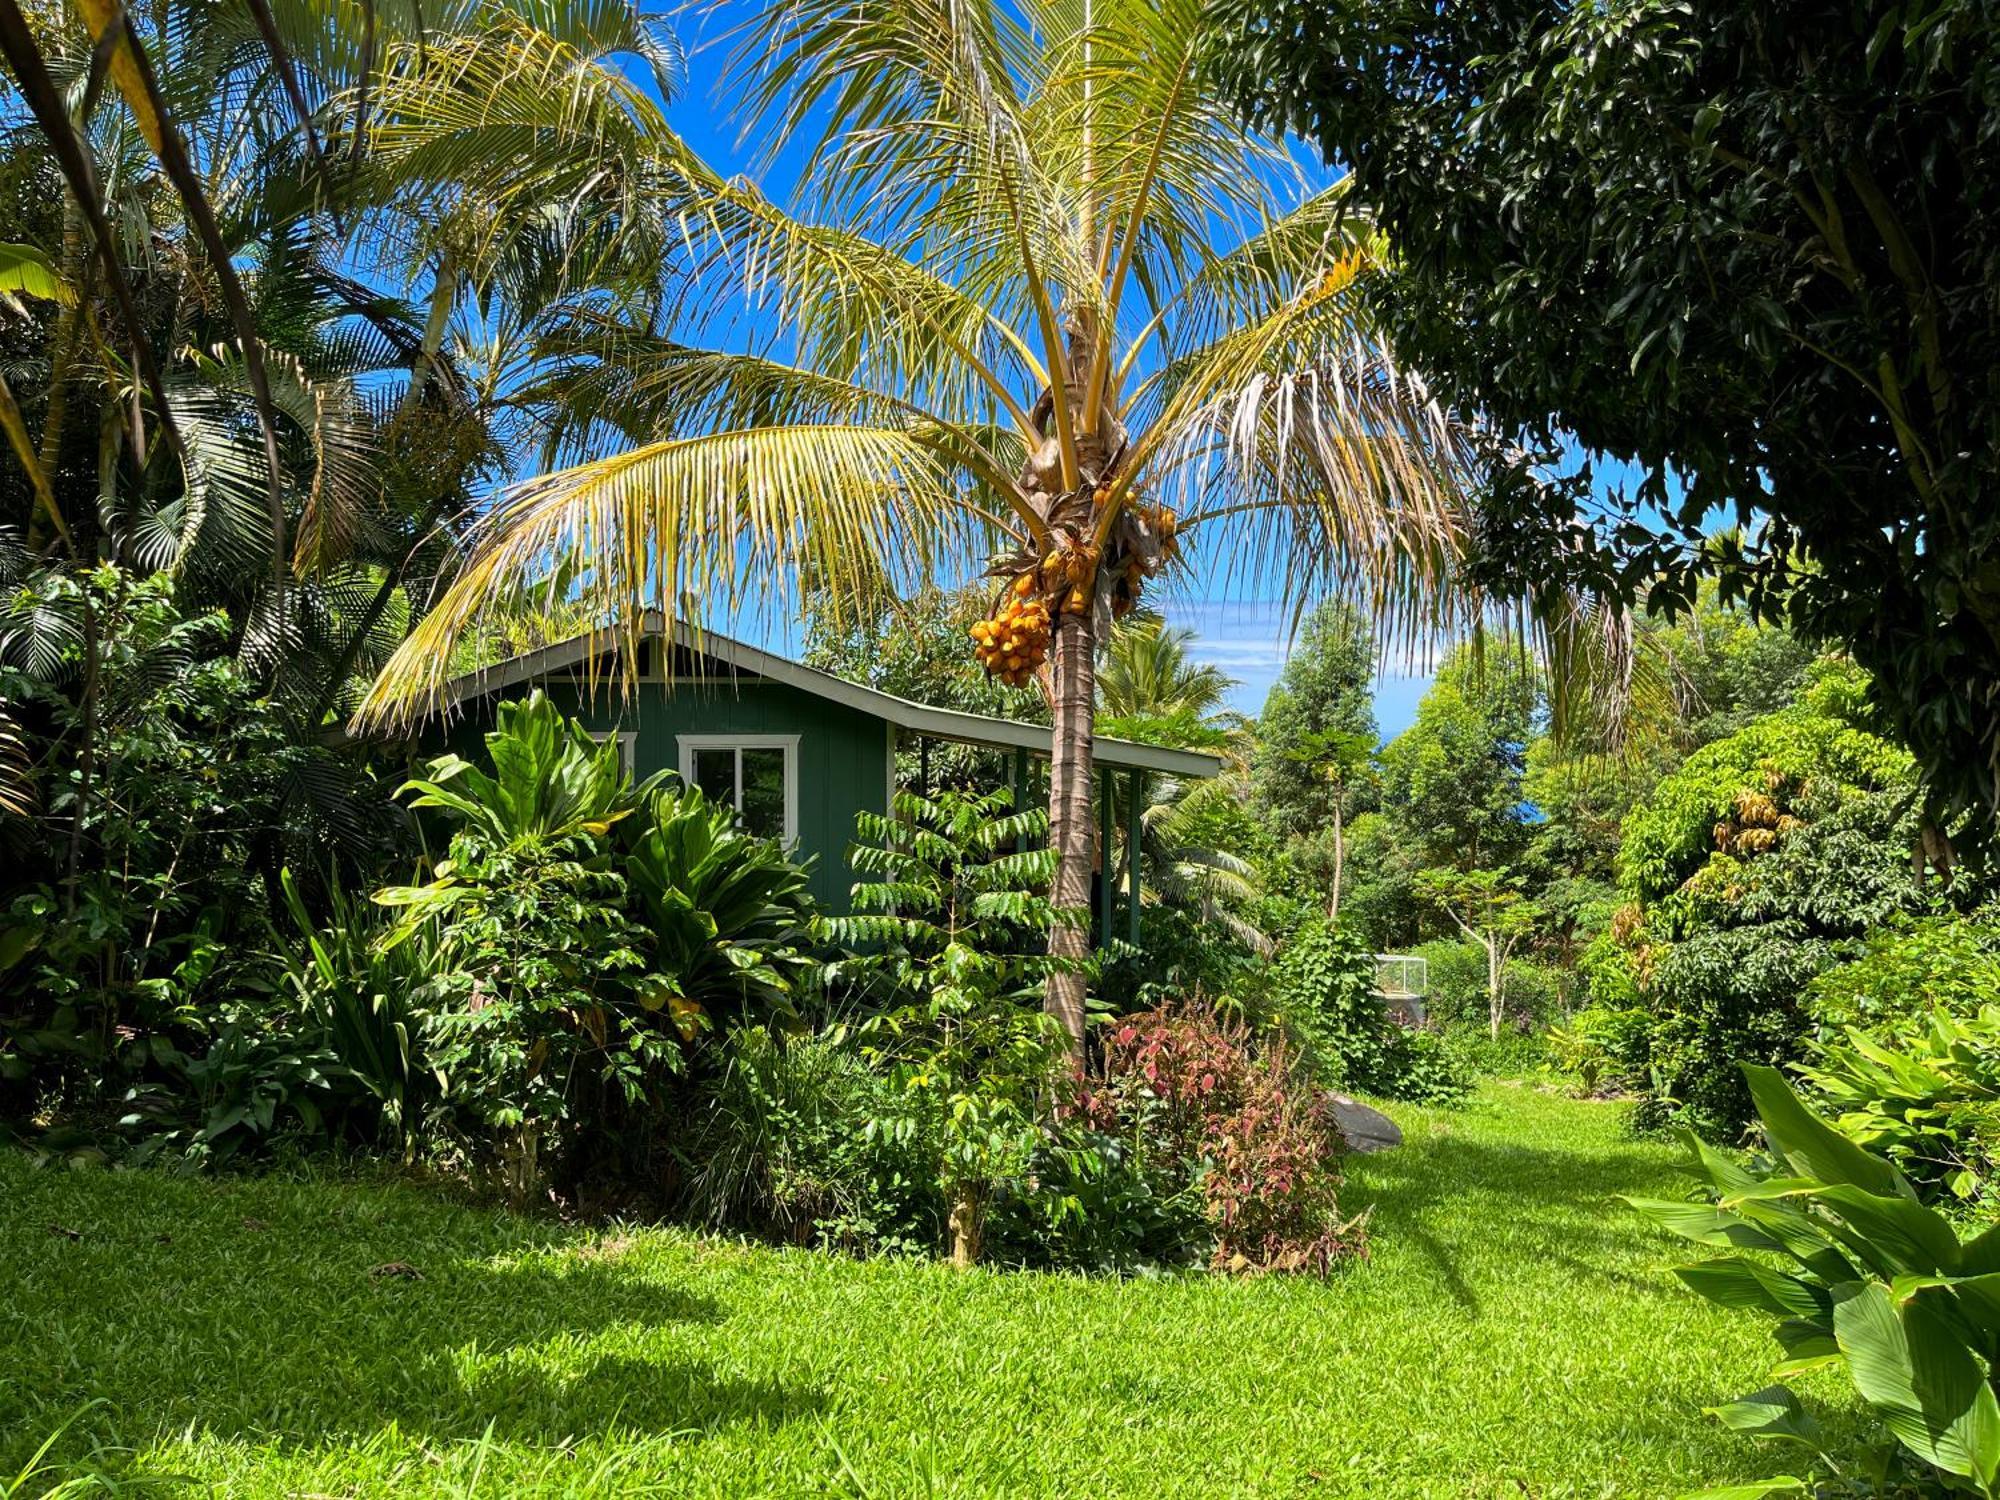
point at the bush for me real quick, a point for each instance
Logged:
(1476, 1053)
(1456, 970)
(1752, 869)
(779, 1145)
(1599, 1050)
(1325, 986)
(1718, 999)
(1248, 1129)
(574, 958)
(1910, 968)
(164, 791)
(1095, 1197)
(1923, 1091)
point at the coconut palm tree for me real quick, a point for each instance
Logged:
(1052, 314)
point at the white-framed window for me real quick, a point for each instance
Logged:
(628, 746)
(757, 774)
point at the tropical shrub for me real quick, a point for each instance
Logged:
(1595, 1049)
(1910, 967)
(1325, 995)
(542, 1010)
(1246, 1127)
(950, 938)
(163, 792)
(333, 1052)
(727, 912)
(1749, 871)
(1923, 1091)
(1098, 1196)
(778, 1144)
(581, 933)
(1831, 1241)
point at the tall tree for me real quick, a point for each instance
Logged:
(1748, 246)
(1453, 780)
(1317, 738)
(1048, 285)
(1326, 690)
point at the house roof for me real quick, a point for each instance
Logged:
(919, 718)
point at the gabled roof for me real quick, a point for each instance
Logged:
(919, 718)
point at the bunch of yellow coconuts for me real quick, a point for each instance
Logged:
(1015, 641)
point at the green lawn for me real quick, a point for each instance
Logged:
(1513, 1333)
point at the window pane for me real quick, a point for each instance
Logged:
(715, 774)
(764, 792)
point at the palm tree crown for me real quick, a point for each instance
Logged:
(1052, 311)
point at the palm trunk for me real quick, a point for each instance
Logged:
(1072, 830)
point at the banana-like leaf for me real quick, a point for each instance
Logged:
(1814, 1148)
(25, 270)
(1925, 1384)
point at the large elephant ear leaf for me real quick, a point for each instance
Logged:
(1922, 1380)
(1812, 1147)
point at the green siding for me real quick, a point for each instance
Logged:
(843, 754)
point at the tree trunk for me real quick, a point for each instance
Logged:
(965, 1226)
(1339, 860)
(1493, 986)
(1072, 828)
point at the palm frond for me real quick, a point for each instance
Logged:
(699, 528)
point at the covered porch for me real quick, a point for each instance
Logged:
(1121, 769)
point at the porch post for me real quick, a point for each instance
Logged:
(1020, 795)
(1132, 828)
(1106, 874)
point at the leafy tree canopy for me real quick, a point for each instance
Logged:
(1323, 700)
(1454, 777)
(1746, 247)
(1748, 783)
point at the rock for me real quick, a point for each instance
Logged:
(1366, 1129)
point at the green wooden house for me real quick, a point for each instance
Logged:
(798, 752)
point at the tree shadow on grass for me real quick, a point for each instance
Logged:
(308, 1329)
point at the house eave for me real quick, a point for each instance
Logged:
(918, 718)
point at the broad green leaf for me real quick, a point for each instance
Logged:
(1757, 1489)
(1930, 1391)
(1814, 1148)
(1773, 1412)
(1705, 1224)
(1897, 1236)
(26, 270)
(1735, 1282)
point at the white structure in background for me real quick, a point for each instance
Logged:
(1403, 980)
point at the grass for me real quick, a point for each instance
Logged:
(1513, 1333)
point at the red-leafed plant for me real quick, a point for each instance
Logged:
(1246, 1120)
